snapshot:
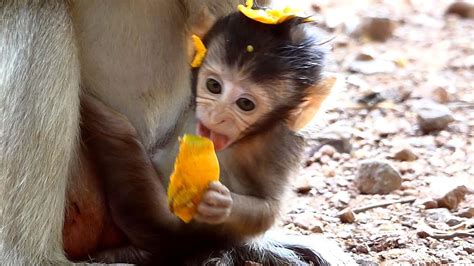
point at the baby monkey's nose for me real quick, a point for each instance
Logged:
(218, 118)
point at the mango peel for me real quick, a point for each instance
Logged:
(195, 167)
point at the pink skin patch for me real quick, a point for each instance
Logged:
(220, 141)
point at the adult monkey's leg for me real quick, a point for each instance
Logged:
(39, 102)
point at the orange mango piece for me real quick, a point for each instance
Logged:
(195, 167)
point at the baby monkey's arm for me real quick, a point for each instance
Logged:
(240, 215)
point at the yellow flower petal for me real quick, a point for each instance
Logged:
(269, 16)
(200, 51)
(195, 167)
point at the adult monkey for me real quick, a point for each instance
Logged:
(129, 54)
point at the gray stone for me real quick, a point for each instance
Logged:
(377, 177)
(432, 116)
(339, 138)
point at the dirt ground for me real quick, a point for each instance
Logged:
(429, 57)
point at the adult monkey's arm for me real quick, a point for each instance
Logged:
(134, 191)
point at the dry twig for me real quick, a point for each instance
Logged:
(347, 215)
(382, 204)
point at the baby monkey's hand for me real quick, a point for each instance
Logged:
(215, 206)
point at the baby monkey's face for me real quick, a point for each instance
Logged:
(228, 103)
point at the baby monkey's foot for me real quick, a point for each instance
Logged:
(215, 205)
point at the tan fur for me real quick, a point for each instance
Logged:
(40, 110)
(130, 54)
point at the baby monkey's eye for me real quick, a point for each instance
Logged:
(245, 104)
(213, 86)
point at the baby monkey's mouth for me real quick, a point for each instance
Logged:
(220, 141)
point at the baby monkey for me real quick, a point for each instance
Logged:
(257, 86)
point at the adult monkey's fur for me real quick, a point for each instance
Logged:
(129, 54)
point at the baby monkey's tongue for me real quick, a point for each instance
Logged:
(220, 141)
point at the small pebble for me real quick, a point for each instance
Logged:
(347, 216)
(405, 155)
(430, 204)
(467, 212)
(462, 9)
(452, 199)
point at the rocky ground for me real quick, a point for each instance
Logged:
(390, 169)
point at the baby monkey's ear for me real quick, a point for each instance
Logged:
(310, 106)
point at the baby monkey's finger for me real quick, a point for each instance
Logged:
(211, 211)
(219, 187)
(214, 198)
